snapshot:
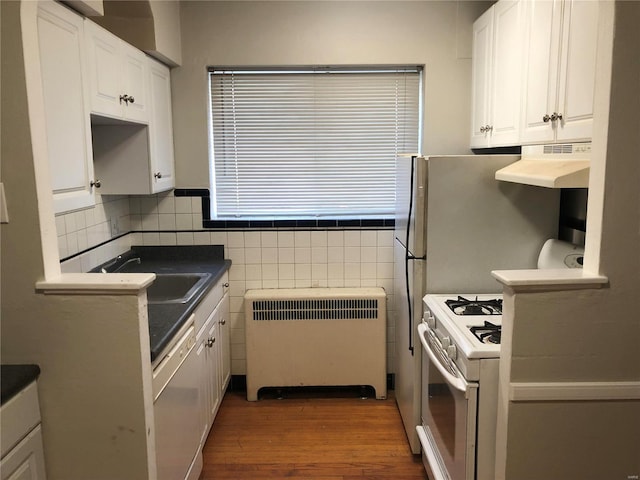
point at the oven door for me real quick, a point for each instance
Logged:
(449, 408)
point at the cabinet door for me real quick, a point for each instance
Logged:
(577, 70)
(481, 78)
(26, 460)
(201, 356)
(160, 128)
(134, 83)
(225, 344)
(66, 115)
(118, 72)
(213, 354)
(542, 47)
(103, 59)
(506, 70)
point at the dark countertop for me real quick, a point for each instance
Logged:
(166, 319)
(14, 378)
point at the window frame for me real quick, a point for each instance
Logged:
(356, 219)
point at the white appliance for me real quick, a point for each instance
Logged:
(551, 166)
(460, 337)
(177, 410)
(455, 224)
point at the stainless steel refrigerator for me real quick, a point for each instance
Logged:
(454, 224)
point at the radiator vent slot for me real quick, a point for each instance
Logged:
(558, 149)
(321, 309)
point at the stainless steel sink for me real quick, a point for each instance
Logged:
(176, 287)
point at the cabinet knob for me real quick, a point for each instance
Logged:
(157, 175)
(95, 183)
(546, 118)
(488, 128)
(556, 116)
(225, 285)
(482, 129)
(223, 322)
(211, 341)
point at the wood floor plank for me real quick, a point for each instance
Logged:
(307, 436)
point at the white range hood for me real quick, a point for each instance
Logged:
(551, 166)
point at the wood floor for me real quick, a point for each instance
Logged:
(324, 435)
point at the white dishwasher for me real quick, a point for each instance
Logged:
(176, 410)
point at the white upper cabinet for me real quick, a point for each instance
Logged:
(559, 72)
(496, 70)
(64, 91)
(117, 76)
(137, 159)
(160, 128)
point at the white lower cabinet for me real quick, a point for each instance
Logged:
(22, 436)
(213, 353)
(207, 351)
(224, 333)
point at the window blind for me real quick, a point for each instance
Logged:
(310, 143)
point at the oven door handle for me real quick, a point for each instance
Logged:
(455, 382)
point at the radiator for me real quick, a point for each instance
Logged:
(316, 337)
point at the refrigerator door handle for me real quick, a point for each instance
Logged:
(408, 256)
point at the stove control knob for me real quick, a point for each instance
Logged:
(431, 321)
(452, 352)
(446, 342)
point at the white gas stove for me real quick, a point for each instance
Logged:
(467, 325)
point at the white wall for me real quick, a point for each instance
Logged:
(436, 34)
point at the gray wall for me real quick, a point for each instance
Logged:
(431, 33)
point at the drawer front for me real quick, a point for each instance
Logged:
(18, 416)
(208, 304)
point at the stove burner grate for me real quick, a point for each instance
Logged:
(463, 306)
(488, 333)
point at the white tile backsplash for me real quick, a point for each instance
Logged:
(261, 259)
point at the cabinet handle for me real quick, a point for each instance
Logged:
(546, 118)
(95, 183)
(211, 341)
(157, 175)
(126, 99)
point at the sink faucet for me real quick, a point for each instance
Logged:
(131, 260)
(116, 260)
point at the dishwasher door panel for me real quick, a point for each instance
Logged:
(177, 421)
